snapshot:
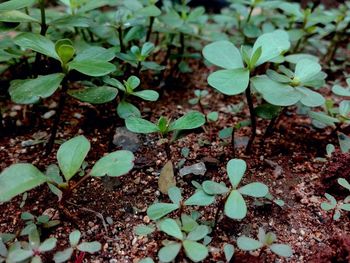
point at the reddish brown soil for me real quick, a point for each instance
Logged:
(286, 162)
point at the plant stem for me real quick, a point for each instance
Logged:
(252, 119)
(57, 117)
(149, 32)
(43, 18)
(180, 53)
(120, 36)
(82, 180)
(233, 141)
(219, 210)
(250, 14)
(167, 150)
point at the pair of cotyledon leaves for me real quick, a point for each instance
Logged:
(281, 91)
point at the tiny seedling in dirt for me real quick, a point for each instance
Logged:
(187, 237)
(163, 127)
(240, 66)
(36, 222)
(337, 206)
(129, 89)
(80, 248)
(265, 241)
(22, 177)
(91, 61)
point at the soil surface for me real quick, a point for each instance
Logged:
(108, 210)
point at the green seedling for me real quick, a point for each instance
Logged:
(337, 206)
(92, 61)
(163, 127)
(32, 250)
(290, 87)
(76, 246)
(200, 95)
(22, 177)
(265, 241)
(129, 89)
(239, 66)
(187, 235)
(36, 222)
(137, 57)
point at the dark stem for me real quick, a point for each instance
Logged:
(219, 210)
(43, 18)
(120, 36)
(180, 54)
(252, 119)
(250, 14)
(114, 126)
(57, 117)
(167, 150)
(149, 32)
(233, 141)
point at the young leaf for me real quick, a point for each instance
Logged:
(19, 178)
(254, 189)
(48, 244)
(170, 227)
(32, 90)
(114, 164)
(74, 238)
(229, 81)
(71, 155)
(37, 43)
(200, 198)
(229, 251)
(63, 256)
(195, 251)
(16, 4)
(169, 252)
(273, 44)
(235, 206)
(235, 170)
(198, 233)
(143, 230)
(306, 70)
(95, 95)
(214, 188)
(282, 250)
(139, 125)
(15, 16)
(149, 95)
(90, 247)
(126, 110)
(248, 244)
(344, 183)
(95, 53)
(223, 54)
(94, 68)
(158, 210)
(310, 98)
(174, 194)
(191, 120)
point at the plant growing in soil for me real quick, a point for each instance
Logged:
(337, 206)
(241, 65)
(265, 241)
(163, 127)
(198, 100)
(125, 109)
(80, 248)
(22, 177)
(36, 222)
(186, 236)
(92, 61)
(23, 251)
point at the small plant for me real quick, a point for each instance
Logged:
(22, 177)
(33, 250)
(187, 236)
(125, 109)
(163, 127)
(265, 240)
(198, 100)
(337, 206)
(240, 65)
(36, 222)
(76, 246)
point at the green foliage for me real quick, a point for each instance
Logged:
(264, 240)
(337, 207)
(19, 178)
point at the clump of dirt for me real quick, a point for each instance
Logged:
(337, 167)
(338, 250)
